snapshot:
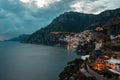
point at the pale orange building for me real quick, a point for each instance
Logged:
(99, 29)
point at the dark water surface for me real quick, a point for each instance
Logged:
(32, 62)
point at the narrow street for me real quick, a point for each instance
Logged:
(83, 70)
(95, 74)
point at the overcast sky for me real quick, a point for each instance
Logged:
(26, 16)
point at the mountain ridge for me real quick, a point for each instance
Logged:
(19, 38)
(70, 22)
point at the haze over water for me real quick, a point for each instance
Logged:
(32, 62)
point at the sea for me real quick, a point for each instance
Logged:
(19, 61)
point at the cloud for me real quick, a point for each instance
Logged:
(25, 1)
(40, 3)
(94, 6)
(16, 17)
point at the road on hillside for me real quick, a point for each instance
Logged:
(95, 74)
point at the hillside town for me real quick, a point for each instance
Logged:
(100, 59)
(80, 38)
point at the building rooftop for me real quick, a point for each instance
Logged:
(114, 61)
(84, 57)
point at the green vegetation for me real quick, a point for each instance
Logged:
(72, 71)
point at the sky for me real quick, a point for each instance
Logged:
(26, 16)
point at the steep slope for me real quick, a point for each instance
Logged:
(67, 22)
(102, 18)
(70, 22)
(113, 25)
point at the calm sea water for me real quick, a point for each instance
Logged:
(32, 62)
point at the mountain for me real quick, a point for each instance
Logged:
(102, 18)
(65, 23)
(113, 25)
(19, 38)
(71, 22)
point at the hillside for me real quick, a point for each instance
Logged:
(71, 22)
(103, 18)
(19, 38)
(113, 25)
(67, 22)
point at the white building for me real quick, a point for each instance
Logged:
(112, 37)
(113, 64)
(85, 57)
(98, 45)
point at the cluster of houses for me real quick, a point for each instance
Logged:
(109, 63)
(105, 63)
(79, 38)
(115, 38)
(112, 65)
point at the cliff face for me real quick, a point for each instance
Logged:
(103, 18)
(72, 22)
(113, 25)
